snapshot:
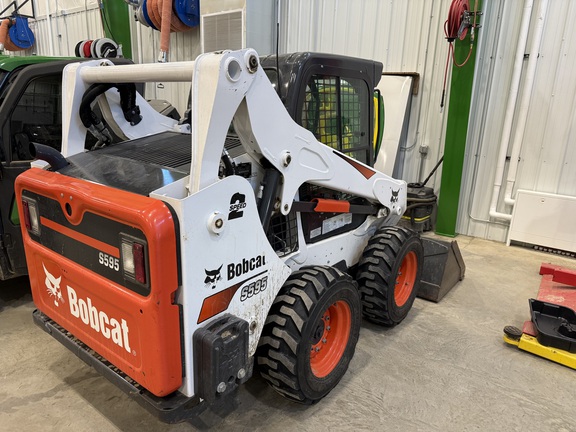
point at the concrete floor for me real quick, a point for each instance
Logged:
(445, 368)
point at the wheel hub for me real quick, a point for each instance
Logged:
(329, 338)
(405, 279)
(318, 332)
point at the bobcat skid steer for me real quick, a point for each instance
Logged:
(177, 262)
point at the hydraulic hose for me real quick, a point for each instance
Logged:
(94, 124)
(127, 91)
(48, 154)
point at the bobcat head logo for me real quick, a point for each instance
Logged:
(53, 286)
(212, 277)
(394, 197)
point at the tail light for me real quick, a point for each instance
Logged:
(134, 260)
(31, 217)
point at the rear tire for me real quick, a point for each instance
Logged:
(310, 334)
(389, 274)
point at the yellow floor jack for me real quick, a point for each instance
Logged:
(551, 333)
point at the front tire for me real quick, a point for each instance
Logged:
(310, 334)
(389, 274)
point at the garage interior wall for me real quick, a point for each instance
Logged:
(406, 36)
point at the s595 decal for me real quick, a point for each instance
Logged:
(253, 288)
(109, 261)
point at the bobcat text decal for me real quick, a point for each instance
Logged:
(238, 269)
(110, 328)
(84, 310)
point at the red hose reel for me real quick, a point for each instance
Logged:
(460, 19)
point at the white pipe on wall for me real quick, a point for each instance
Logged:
(510, 108)
(525, 102)
(139, 41)
(50, 33)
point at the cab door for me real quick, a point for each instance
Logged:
(30, 111)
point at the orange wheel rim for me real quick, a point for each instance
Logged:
(405, 279)
(330, 338)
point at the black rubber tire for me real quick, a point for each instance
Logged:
(378, 273)
(286, 351)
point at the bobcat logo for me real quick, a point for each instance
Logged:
(53, 286)
(212, 277)
(394, 197)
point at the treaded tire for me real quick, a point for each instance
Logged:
(310, 334)
(389, 274)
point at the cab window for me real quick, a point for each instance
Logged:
(335, 110)
(37, 117)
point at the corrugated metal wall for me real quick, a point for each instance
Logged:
(69, 26)
(407, 36)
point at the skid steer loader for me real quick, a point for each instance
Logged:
(178, 261)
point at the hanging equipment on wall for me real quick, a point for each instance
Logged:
(20, 33)
(167, 16)
(15, 34)
(460, 19)
(97, 48)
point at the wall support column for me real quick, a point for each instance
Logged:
(456, 133)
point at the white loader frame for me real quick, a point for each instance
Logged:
(232, 87)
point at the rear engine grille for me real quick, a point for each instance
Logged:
(173, 152)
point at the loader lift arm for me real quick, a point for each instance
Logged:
(243, 94)
(232, 87)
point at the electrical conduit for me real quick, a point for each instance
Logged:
(50, 33)
(525, 103)
(506, 129)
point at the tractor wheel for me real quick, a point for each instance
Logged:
(389, 274)
(310, 335)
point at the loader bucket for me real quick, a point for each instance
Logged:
(443, 268)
